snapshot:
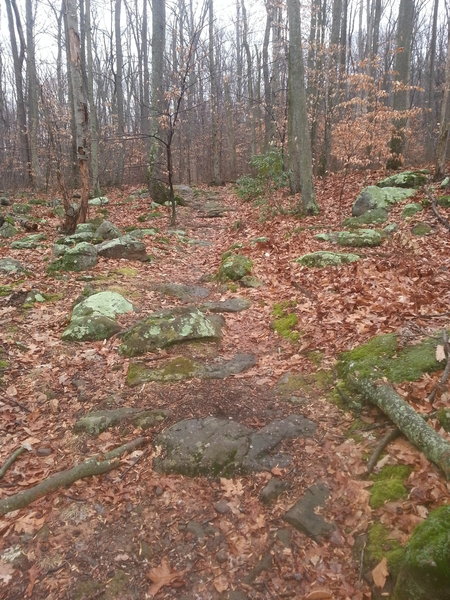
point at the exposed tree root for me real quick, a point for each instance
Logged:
(411, 424)
(89, 468)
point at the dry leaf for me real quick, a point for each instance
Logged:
(6, 572)
(440, 353)
(319, 595)
(380, 573)
(221, 584)
(162, 576)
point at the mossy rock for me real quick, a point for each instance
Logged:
(360, 238)
(28, 242)
(8, 230)
(421, 229)
(382, 357)
(389, 485)
(248, 281)
(443, 416)
(381, 544)
(176, 370)
(83, 256)
(444, 201)
(406, 179)
(411, 209)
(376, 198)
(94, 328)
(323, 259)
(89, 227)
(99, 201)
(375, 215)
(425, 566)
(108, 304)
(234, 267)
(10, 266)
(21, 209)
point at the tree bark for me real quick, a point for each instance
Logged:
(214, 100)
(93, 121)
(442, 143)
(299, 142)
(33, 109)
(411, 424)
(118, 82)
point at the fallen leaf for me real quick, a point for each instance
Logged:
(319, 595)
(380, 573)
(221, 584)
(6, 572)
(440, 353)
(162, 576)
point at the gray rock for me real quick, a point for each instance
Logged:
(28, 242)
(93, 328)
(250, 282)
(225, 368)
(374, 197)
(4, 201)
(322, 259)
(231, 305)
(10, 266)
(107, 231)
(124, 247)
(302, 515)
(182, 291)
(411, 209)
(83, 227)
(79, 258)
(166, 328)
(108, 304)
(100, 201)
(98, 421)
(76, 238)
(360, 238)
(142, 233)
(214, 446)
(374, 215)
(421, 229)
(234, 267)
(274, 488)
(8, 230)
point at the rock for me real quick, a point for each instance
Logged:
(411, 209)
(424, 568)
(421, 229)
(34, 296)
(374, 197)
(250, 282)
(274, 488)
(108, 304)
(213, 446)
(99, 201)
(76, 238)
(107, 231)
(8, 230)
(222, 507)
(21, 209)
(29, 242)
(182, 368)
(10, 266)
(406, 179)
(360, 238)
(234, 267)
(83, 227)
(79, 258)
(124, 247)
(98, 421)
(391, 228)
(166, 328)
(4, 201)
(327, 237)
(325, 259)
(374, 215)
(231, 305)
(443, 201)
(94, 317)
(445, 182)
(302, 515)
(181, 291)
(141, 233)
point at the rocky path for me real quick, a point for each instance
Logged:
(249, 487)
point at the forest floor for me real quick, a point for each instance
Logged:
(135, 533)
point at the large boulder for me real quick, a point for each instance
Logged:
(360, 238)
(214, 446)
(166, 328)
(94, 318)
(424, 568)
(374, 197)
(81, 257)
(123, 247)
(406, 179)
(107, 231)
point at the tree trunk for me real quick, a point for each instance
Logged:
(74, 213)
(119, 94)
(442, 143)
(268, 109)
(299, 143)
(215, 150)
(33, 109)
(411, 424)
(93, 121)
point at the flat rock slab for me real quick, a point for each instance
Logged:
(182, 291)
(181, 368)
(98, 421)
(231, 305)
(213, 446)
(165, 328)
(302, 515)
(124, 247)
(323, 259)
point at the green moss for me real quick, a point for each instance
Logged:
(280, 309)
(444, 201)
(375, 215)
(308, 384)
(411, 209)
(176, 370)
(5, 290)
(380, 545)
(424, 572)
(315, 356)
(233, 267)
(443, 416)
(284, 327)
(389, 485)
(421, 229)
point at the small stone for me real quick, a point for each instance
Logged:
(222, 507)
(302, 515)
(196, 529)
(421, 229)
(284, 535)
(222, 556)
(274, 488)
(43, 451)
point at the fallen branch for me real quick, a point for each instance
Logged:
(437, 214)
(387, 438)
(410, 423)
(11, 460)
(89, 468)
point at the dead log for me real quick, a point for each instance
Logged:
(410, 423)
(89, 468)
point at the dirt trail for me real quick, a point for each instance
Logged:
(135, 533)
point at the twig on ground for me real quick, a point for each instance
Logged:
(11, 460)
(446, 374)
(89, 468)
(387, 438)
